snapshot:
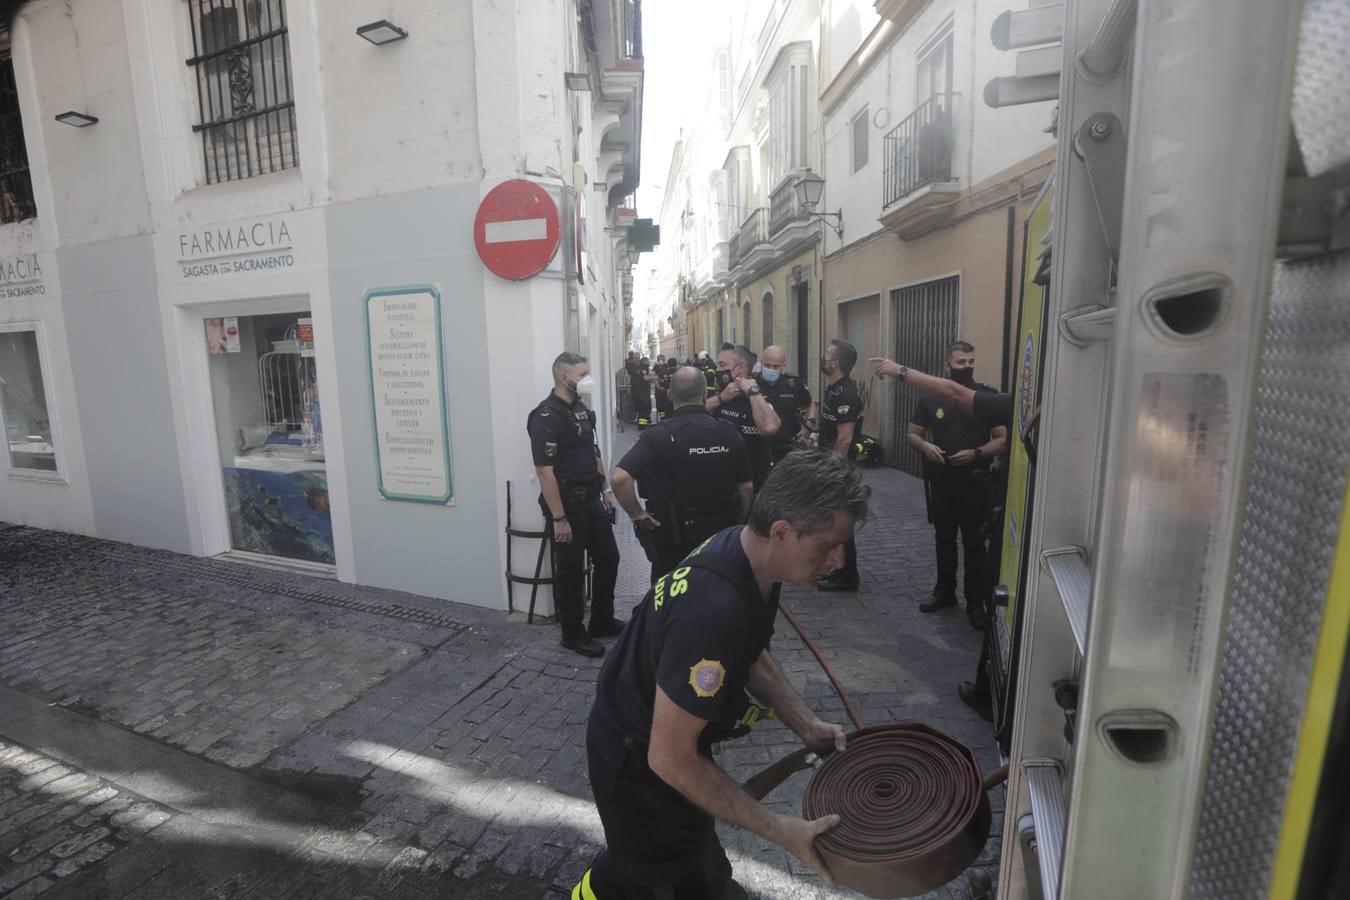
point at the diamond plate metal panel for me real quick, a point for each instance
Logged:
(1299, 456)
(1321, 108)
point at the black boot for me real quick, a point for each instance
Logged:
(940, 600)
(977, 700)
(585, 645)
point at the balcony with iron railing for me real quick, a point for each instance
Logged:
(785, 207)
(918, 167)
(918, 151)
(754, 232)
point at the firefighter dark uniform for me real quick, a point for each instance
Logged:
(562, 435)
(696, 634)
(740, 414)
(842, 403)
(688, 468)
(709, 371)
(650, 400)
(788, 396)
(958, 495)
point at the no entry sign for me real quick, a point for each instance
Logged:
(517, 229)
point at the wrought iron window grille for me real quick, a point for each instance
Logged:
(242, 62)
(16, 185)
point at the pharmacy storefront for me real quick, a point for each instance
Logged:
(338, 391)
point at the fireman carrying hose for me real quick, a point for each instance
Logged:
(676, 683)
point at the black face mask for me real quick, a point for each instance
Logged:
(825, 367)
(964, 376)
(724, 377)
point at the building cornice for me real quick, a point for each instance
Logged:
(896, 16)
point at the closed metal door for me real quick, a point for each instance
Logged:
(927, 320)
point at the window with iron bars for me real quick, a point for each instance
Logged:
(241, 56)
(16, 186)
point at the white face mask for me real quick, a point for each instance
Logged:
(586, 386)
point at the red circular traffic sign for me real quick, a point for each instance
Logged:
(517, 229)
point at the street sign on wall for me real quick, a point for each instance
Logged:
(517, 230)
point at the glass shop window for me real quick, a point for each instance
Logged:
(23, 403)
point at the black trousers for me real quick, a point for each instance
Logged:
(657, 843)
(592, 532)
(959, 503)
(850, 570)
(666, 550)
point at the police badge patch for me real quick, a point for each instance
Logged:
(550, 449)
(940, 413)
(706, 677)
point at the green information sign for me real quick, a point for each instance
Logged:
(407, 392)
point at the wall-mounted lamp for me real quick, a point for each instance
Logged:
(381, 32)
(577, 81)
(808, 188)
(76, 119)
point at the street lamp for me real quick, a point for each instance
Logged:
(808, 189)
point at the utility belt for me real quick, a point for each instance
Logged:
(579, 491)
(689, 527)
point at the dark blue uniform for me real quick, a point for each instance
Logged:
(688, 468)
(958, 495)
(696, 634)
(562, 435)
(842, 403)
(788, 396)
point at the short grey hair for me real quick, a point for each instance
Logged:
(687, 385)
(807, 488)
(566, 360)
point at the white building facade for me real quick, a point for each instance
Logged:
(932, 186)
(243, 311)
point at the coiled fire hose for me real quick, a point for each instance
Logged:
(911, 801)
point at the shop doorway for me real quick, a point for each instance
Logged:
(269, 430)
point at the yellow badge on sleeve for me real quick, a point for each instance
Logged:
(706, 677)
(941, 413)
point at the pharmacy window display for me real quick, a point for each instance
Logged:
(269, 427)
(23, 404)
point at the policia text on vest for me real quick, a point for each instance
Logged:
(692, 471)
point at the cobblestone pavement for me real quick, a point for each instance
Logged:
(279, 735)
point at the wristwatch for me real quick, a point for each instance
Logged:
(754, 389)
(904, 370)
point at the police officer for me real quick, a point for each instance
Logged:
(956, 466)
(741, 402)
(676, 682)
(789, 397)
(991, 411)
(576, 505)
(694, 473)
(841, 418)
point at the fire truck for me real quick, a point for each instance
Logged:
(1170, 638)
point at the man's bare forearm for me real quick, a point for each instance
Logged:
(771, 687)
(715, 792)
(548, 486)
(766, 418)
(625, 492)
(844, 439)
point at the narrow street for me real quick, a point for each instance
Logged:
(180, 727)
